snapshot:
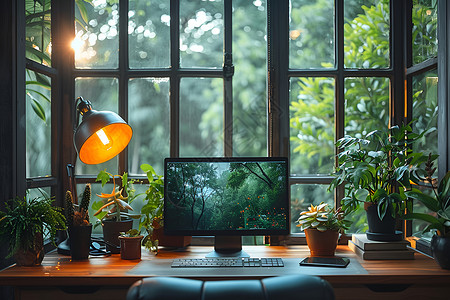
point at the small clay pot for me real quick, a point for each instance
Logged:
(321, 243)
(130, 247)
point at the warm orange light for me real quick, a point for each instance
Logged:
(77, 44)
(105, 143)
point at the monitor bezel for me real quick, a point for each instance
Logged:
(234, 232)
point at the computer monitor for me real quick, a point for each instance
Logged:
(226, 197)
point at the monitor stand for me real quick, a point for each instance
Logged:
(227, 246)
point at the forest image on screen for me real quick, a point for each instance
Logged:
(218, 196)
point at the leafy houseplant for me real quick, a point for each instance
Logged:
(377, 170)
(152, 210)
(24, 223)
(439, 204)
(80, 229)
(322, 226)
(112, 209)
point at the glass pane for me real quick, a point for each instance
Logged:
(38, 45)
(201, 33)
(366, 105)
(311, 118)
(96, 42)
(302, 196)
(148, 114)
(249, 80)
(201, 117)
(103, 94)
(366, 34)
(425, 112)
(308, 21)
(149, 33)
(38, 124)
(424, 17)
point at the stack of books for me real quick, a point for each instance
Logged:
(371, 250)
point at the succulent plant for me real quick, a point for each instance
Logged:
(323, 218)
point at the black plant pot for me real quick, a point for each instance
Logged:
(381, 230)
(440, 247)
(80, 241)
(111, 232)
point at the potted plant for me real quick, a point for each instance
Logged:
(112, 209)
(322, 225)
(24, 223)
(152, 214)
(79, 227)
(377, 170)
(130, 244)
(438, 202)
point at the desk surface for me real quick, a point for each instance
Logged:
(57, 270)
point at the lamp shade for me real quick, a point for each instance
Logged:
(101, 136)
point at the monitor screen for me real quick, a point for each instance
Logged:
(226, 196)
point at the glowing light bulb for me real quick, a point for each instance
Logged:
(103, 137)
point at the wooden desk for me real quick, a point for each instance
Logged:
(111, 276)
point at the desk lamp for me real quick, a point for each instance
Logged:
(100, 136)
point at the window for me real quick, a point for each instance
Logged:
(190, 77)
(422, 77)
(40, 95)
(241, 78)
(335, 90)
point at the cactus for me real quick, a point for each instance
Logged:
(85, 200)
(77, 215)
(69, 209)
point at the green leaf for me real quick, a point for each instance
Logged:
(430, 202)
(361, 194)
(103, 176)
(38, 109)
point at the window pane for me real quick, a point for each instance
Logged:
(366, 34)
(96, 41)
(366, 105)
(149, 116)
(201, 117)
(149, 34)
(38, 45)
(103, 94)
(308, 21)
(311, 113)
(201, 33)
(38, 124)
(424, 16)
(249, 80)
(425, 112)
(303, 195)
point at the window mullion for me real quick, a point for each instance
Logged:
(174, 96)
(123, 75)
(228, 70)
(339, 85)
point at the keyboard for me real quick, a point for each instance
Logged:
(220, 262)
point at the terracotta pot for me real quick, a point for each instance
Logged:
(322, 243)
(111, 232)
(440, 247)
(130, 247)
(80, 241)
(31, 257)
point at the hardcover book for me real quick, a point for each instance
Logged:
(365, 244)
(381, 254)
